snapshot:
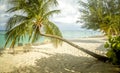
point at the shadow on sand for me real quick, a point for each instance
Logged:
(65, 63)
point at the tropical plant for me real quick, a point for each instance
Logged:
(103, 15)
(35, 23)
(35, 15)
(113, 46)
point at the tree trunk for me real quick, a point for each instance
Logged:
(99, 57)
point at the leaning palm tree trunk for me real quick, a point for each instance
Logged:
(99, 57)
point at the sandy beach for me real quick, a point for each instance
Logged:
(45, 58)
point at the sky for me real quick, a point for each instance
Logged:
(65, 20)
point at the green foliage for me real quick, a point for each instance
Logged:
(113, 46)
(35, 19)
(103, 15)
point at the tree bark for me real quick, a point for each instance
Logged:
(99, 57)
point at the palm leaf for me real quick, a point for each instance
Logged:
(50, 13)
(51, 28)
(15, 20)
(16, 33)
(34, 11)
(36, 35)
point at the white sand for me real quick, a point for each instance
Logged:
(64, 59)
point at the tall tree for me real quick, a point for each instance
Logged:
(101, 14)
(35, 20)
(35, 15)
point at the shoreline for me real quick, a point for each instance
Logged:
(74, 40)
(56, 59)
(64, 37)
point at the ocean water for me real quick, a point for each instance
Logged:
(68, 34)
(3, 40)
(72, 34)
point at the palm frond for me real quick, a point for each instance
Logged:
(52, 29)
(16, 33)
(19, 26)
(50, 13)
(35, 35)
(13, 21)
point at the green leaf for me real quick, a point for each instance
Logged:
(118, 46)
(114, 45)
(106, 45)
(35, 12)
(109, 53)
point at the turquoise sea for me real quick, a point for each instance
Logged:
(68, 34)
(72, 34)
(3, 40)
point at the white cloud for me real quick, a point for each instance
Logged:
(69, 12)
(5, 15)
(2, 7)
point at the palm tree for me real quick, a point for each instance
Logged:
(34, 21)
(35, 15)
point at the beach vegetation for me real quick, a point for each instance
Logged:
(103, 15)
(34, 21)
(29, 18)
(113, 46)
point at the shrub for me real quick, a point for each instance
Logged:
(113, 46)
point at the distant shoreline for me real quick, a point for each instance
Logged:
(98, 36)
(67, 34)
